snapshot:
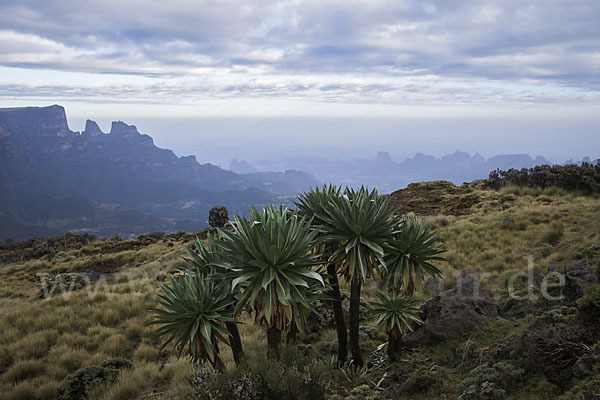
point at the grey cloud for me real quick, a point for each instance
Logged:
(546, 43)
(326, 89)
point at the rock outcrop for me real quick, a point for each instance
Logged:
(453, 312)
(579, 274)
(584, 366)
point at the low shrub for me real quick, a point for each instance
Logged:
(554, 350)
(292, 378)
(61, 284)
(589, 303)
(490, 383)
(590, 298)
(587, 389)
(116, 363)
(218, 217)
(591, 252)
(572, 177)
(78, 384)
(424, 380)
(361, 392)
(485, 391)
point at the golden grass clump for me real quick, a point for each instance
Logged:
(146, 352)
(115, 345)
(70, 358)
(47, 390)
(24, 369)
(21, 391)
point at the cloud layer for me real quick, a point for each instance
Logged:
(502, 52)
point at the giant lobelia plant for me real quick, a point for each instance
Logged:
(312, 205)
(396, 313)
(361, 223)
(270, 258)
(409, 256)
(204, 260)
(192, 313)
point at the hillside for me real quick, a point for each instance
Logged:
(530, 348)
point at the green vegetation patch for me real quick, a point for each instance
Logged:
(77, 385)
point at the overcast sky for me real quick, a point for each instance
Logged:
(519, 64)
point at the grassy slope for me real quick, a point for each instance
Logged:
(41, 341)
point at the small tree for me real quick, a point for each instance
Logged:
(362, 224)
(218, 217)
(192, 313)
(270, 257)
(312, 205)
(205, 262)
(409, 256)
(396, 313)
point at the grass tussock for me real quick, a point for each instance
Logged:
(23, 370)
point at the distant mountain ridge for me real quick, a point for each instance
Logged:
(55, 180)
(91, 177)
(386, 175)
(461, 166)
(290, 181)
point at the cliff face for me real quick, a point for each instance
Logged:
(41, 129)
(137, 154)
(39, 121)
(40, 157)
(71, 161)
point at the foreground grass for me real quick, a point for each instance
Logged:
(42, 341)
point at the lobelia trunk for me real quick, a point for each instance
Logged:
(394, 348)
(274, 340)
(355, 286)
(235, 341)
(218, 364)
(338, 314)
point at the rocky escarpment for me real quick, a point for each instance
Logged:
(43, 162)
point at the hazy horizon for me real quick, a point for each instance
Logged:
(274, 79)
(219, 140)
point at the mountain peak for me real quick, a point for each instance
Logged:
(241, 167)
(92, 128)
(37, 127)
(120, 128)
(383, 157)
(541, 160)
(189, 159)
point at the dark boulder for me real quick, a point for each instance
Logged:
(584, 366)
(579, 274)
(454, 312)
